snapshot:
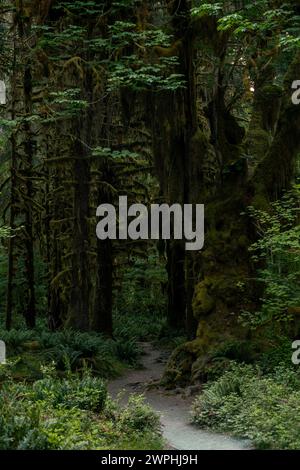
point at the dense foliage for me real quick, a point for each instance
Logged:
(72, 414)
(262, 408)
(278, 250)
(169, 101)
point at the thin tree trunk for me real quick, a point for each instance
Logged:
(11, 242)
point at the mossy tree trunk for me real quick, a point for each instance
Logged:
(223, 271)
(13, 195)
(30, 308)
(172, 148)
(275, 172)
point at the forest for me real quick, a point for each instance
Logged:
(106, 343)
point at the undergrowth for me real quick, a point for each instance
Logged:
(264, 408)
(72, 413)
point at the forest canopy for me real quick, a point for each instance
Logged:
(169, 102)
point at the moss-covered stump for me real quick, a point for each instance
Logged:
(198, 360)
(178, 369)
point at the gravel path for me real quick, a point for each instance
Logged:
(173, 408)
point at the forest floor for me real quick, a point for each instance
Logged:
(172, 406)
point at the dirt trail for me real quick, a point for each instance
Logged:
(173, 408)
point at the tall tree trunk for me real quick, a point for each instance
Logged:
(80, 283)
(172, 136)
(80, 296)
(30, 307)
(13, 196)
(102, 314)
(11, 242)
(176, 284)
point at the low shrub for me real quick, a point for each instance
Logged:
(127, 350)
(237, 350)
(72, 414)
(138, 326)
(68, 349)
(280, 353)
(138, 417)
(15, 339)
(86, 393)
(263, 408)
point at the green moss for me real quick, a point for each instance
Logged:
(200, 139)
(216, 290)
(260, 202)
(178, 369)
(198, 346)
(202, 303)
(259, 140)
(204, 331)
